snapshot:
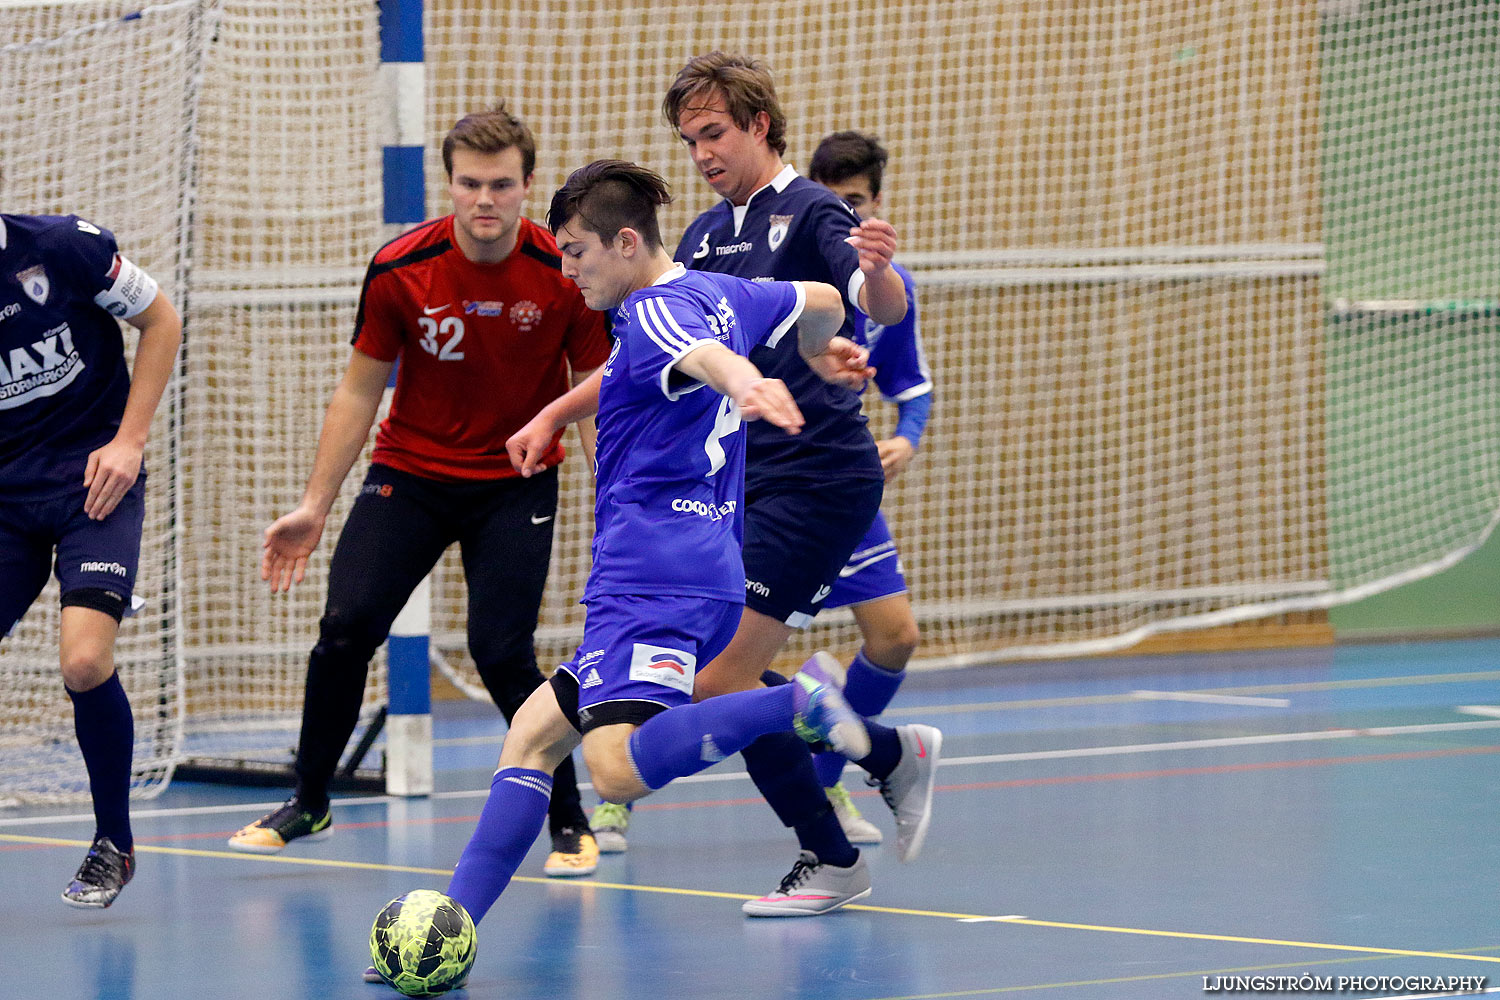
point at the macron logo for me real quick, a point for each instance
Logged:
(102, 567)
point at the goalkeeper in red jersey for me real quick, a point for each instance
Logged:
(487, 331)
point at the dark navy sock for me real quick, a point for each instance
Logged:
(106, 736)
(508, 825)
(686, 739)
(868, 690)
(885, 751)
(781, 766)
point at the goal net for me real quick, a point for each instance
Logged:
(1208, 292)
(96, 118)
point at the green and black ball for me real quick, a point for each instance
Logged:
(423, 943)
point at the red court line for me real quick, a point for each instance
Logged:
(1072, 779)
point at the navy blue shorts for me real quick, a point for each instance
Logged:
(797, 538)
(95, 561)
(639, 656)
(872, 572)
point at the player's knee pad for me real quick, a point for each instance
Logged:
(99, 599)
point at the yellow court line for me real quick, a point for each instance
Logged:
(190, 852)
(1191, 936)
(710, 894)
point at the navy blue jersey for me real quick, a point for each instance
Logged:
(896, 351)
(63, 377)
(793, 229)
(670, 487)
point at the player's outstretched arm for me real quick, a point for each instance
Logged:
(527, 445)
(883, 296)
(588, 434)
(758, 397)
(113, 469)
(835, 359)
(291, 538)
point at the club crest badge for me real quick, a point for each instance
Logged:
(525, 314)
(35, 284)
(779, 226)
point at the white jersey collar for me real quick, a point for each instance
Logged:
(2, 234)
(779, 182)
(677, 271)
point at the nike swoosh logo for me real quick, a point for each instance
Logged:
(856, 567)
(541, 520)
(921, 747)
(433, 310)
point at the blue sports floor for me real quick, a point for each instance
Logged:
(1112, 828)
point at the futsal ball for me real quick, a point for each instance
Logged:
(423, 943)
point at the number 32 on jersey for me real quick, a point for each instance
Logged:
(450, 329)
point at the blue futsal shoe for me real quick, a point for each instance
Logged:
(822, 714)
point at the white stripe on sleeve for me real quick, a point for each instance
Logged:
(792, 317)
(665, 332)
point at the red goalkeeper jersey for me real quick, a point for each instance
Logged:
(482, 347)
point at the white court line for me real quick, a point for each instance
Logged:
(1493, 711)
(1317, 735)
(1079, 701)
(1226, 741)
(1211, 699)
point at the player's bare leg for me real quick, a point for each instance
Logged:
(540, 735)
(889, 630)
(606, 751)
(749, 655)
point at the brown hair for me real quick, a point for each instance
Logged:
(845, 155)
(610, 195)
(491, 131)
(744, 83)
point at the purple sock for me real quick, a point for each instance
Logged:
(686, 739)
(868, 690)
(106, 737)
(508, 825)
